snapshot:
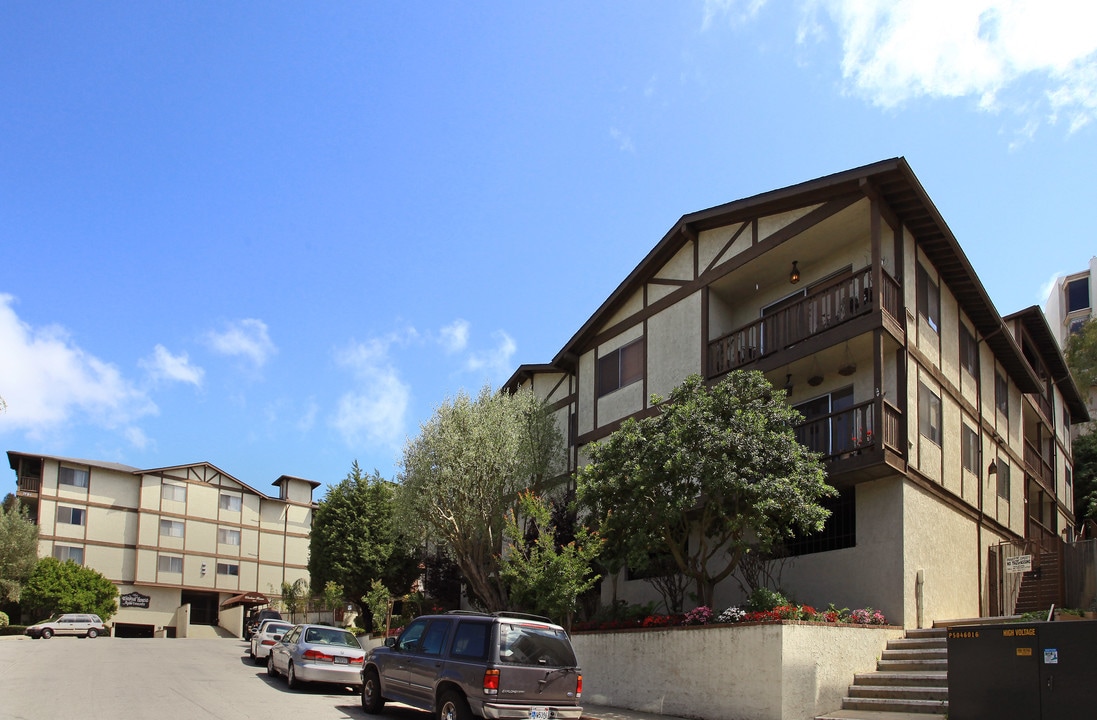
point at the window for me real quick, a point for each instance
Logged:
(929, 414)
(67, 552)
(409, 639)
(622, 367)
(71, 515)
(435, 638)
(929, 299)
(1069, 479)
(74, 477)
(1078, 294)
(1001, 393)
(471, 641)
(175, 493)
(170, 564)
(228, 569)
(970, 450)
(969, 351)
(1077, 324)
(230, 502)
(840, 530)
(225, 536)
(1003, 479)
(171, 528)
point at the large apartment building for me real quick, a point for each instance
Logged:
(944, 426)
(186, 545)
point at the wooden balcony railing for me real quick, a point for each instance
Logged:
(851, 431)
(824, 308)
(29, 485)
(1039, 467)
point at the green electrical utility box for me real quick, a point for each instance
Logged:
(1026, 671)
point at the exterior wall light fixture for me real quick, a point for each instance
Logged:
(992, 469)
(794, 276)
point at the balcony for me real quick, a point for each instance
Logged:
(825, 307)
(29, 486)
(1039, 468)
(847, 433)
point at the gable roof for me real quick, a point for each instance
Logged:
(893, 182)
(1035, 324)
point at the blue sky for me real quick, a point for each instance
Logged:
(274, 236)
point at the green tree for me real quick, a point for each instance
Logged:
(65, 587)
(294, 597)
(355, 538)
(541, 576)
(1085, 478)
(466, 469)
(18, 550)
(1081, 356)
(716, 472)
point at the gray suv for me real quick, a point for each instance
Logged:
(464, 664)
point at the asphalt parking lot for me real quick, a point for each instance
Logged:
(110, 678)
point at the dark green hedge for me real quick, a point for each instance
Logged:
(12, 629)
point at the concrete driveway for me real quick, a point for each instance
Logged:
(111, 678)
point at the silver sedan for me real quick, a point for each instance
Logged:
(317, 653)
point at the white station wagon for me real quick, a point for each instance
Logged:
(78, 624)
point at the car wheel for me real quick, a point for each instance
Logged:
(372, 702)
(47, 634)
(93, 633)
(256, 660)
(270, 666)
(453, 707)
(291, 678)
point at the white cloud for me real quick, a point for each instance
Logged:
(375, 411)
(176, 368)
(896, 51)
(48, 382)
(624, 142)
(455, 336)
(497, 361)
(1031, 58)
(244, 338)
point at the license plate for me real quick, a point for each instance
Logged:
(342, 661)
(540, 713)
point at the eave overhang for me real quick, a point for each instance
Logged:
(1034, 322)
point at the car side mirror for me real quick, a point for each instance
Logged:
(390, 642)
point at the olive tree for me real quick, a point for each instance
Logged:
(717, 471)
(18, 549)
(464, 472)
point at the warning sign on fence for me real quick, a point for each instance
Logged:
(1019, 564)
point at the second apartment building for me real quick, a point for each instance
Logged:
(186, 545)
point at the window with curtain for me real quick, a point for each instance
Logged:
(621, 367)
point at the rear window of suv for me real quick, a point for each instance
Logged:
(471, 641)
(523, 644)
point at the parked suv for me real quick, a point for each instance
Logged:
(257, 619)
(465, 664)
(78, 624)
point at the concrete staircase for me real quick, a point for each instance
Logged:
(910, 682)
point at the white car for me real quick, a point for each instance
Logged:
(263, 639)
(78, 624)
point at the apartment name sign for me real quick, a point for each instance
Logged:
(134, 599)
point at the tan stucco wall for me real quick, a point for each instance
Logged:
(673, 343)
(754, 672)
(944, 545)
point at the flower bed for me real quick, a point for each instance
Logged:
(733, 615)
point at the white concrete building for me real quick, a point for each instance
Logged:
(186, 545)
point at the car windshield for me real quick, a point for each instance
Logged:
(330, 636)
(525, 644)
